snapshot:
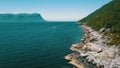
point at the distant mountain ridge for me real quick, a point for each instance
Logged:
(22, 17)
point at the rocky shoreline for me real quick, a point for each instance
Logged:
(95, 49)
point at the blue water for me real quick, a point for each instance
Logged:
(37, 45)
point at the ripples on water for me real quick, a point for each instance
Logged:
(37, 45)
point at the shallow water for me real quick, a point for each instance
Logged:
(37, 45)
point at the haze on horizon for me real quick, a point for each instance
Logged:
(53, 10)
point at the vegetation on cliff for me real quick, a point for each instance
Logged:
(108, 17)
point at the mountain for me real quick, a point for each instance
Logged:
(23, 17)
(108, 16)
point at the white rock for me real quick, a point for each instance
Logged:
(93, 47)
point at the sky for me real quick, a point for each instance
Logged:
(53, 10)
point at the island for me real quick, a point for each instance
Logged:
(22, 17)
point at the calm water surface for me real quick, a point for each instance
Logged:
(37, 45)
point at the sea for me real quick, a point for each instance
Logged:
(37, 44)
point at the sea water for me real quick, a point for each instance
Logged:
(37, 45)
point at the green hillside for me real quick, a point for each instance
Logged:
(107, 16)
(21, 17)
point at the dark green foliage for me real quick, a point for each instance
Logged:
(107, 16)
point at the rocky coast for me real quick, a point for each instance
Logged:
(95, 49)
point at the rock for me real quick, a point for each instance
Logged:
(102, 30)
(98, 65)
(119, 50)
(68, 57)
(77, 63)
(93, 47)
(96, 50)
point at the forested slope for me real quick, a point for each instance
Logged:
(107, 17)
